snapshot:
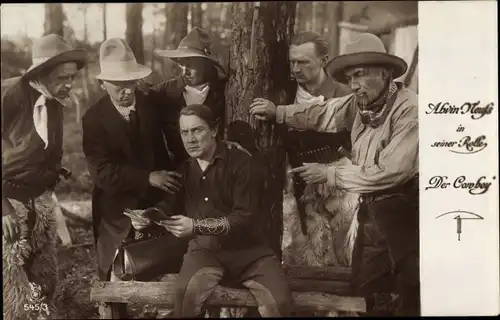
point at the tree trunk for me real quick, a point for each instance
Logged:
(133, 33)
(85, 74)
(196, 15)
(320, 12)
(304, 16)
(104, 24)
(177, 24)
(54, 19)
(176, 28)
(335, 13)
(261, 74)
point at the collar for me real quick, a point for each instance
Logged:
(220, 153)
(124, 111)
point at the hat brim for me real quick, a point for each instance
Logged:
(335, 68)
(188, 53)
(140, 72)
(79, 56)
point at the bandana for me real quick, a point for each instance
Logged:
(372, 113)
(40, 109)
(196, 94)
(125, 111)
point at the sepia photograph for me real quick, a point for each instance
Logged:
(207, 159)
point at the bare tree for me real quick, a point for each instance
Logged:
(133, 33)
(104, 23)
(196, 15)
(176, 28)
(54, 17)
(335, 14)
(258, 61)
(177, 24)
(84, 7)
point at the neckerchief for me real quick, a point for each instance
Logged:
(377, 110)
(40, 109)
(303, 96)
(196, 94)
(125, 111)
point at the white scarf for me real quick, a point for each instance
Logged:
(197, 94)
(40, 109)
(303, 96)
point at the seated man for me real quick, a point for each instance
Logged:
(225, 239)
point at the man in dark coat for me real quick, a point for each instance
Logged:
(32, 135)
(124, 145)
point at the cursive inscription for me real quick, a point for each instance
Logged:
(466, 145)
(477, 187)
(475, 109)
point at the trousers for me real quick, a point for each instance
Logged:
(386, 256)
(256, 268)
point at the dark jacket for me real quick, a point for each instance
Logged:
(27, 168)
(173, 90)
(120, 167)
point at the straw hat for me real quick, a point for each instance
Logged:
(196, 44)
(365, 49)
(51, 50)
(118, 63)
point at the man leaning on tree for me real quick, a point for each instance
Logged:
(384, 169)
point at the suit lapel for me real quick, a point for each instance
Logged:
(116, 126)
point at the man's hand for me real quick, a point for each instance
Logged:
(263, 109)
(166, 180)
(10, 226)
(312, 173)
(180, 226)
(232, 144)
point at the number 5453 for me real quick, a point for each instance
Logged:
(36, 307)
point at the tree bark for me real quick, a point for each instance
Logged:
(263, 73)
(54, 19)
(196, 15)
(133, 33)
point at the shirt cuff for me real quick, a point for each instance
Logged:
(331, 179)
(280, 114)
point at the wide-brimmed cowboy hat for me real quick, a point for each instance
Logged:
(118, 63)
(196, 44)
(365, 49)
(51, 50)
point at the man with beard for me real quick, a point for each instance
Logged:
(384, 169)
(32, 135)
(123, 143)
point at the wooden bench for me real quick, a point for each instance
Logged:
(313, 289)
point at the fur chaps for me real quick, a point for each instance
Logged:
(22, 298)
(331, 228)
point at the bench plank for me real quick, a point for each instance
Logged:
(318, 273)
(298, 285)
(163, 293)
